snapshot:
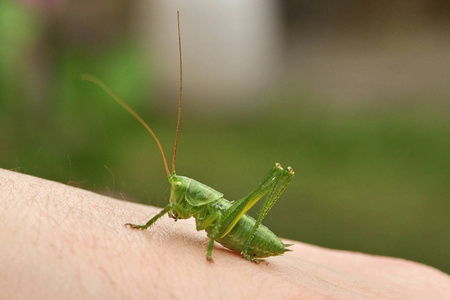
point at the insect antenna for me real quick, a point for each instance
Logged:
(181, 92)
(130, 110)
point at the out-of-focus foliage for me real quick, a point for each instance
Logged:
(373, 179)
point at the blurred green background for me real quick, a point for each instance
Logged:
(358, 105)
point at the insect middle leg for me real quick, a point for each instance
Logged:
(209, 218)
(213, 237)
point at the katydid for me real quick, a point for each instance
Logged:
(225, 222)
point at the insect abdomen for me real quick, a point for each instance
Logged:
(264, 244)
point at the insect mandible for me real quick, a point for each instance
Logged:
(225, 222)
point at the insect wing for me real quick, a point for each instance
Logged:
(198, 194)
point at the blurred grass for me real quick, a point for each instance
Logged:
(374, 180)
(368, 181)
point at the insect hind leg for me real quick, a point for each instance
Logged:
(273, 184)
(240, 207)
(278, 186)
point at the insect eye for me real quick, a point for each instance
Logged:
(178, 184)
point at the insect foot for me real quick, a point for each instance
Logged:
(290, 170)
(134, 226)
(253, 259)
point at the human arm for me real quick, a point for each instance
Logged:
(58, 241)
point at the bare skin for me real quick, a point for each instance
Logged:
(62, 242)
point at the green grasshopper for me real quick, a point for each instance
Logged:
(224, 221)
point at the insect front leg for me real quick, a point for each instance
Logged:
(168, 208)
